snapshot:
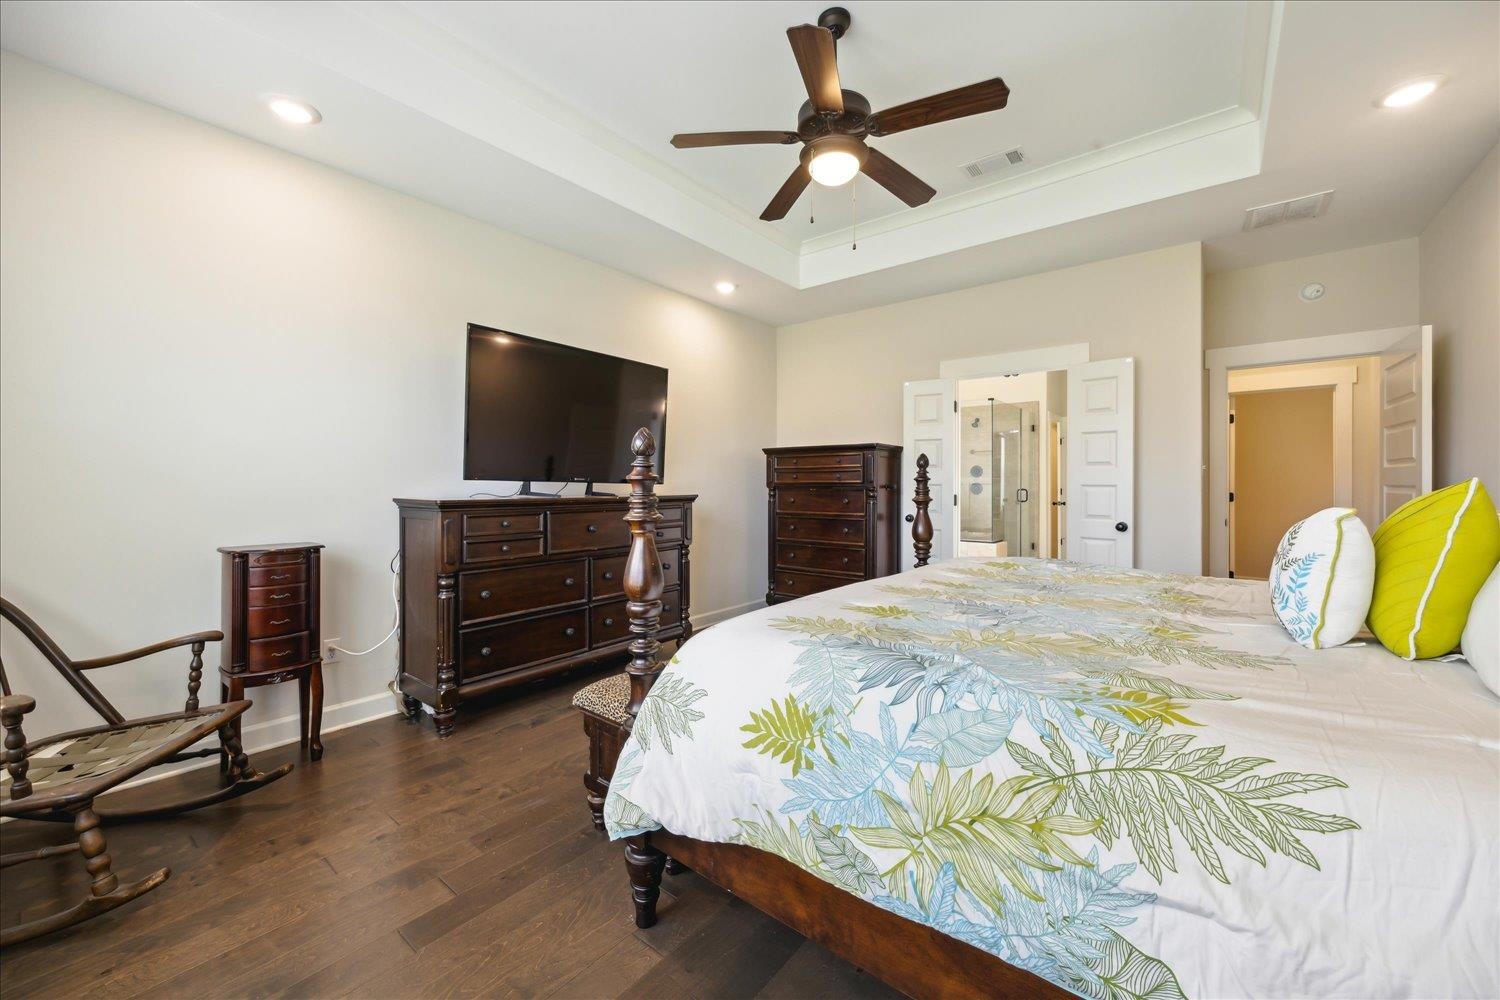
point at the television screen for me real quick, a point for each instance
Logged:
(541, 411)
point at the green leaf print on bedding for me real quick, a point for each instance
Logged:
(791, 733)
(667, 711)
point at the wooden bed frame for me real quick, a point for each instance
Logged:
(911, 957)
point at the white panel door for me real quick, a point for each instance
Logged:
(1101, 462)
(1405, 421)
(929, 427)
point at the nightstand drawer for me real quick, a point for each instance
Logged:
(818, 557)
(276, 597)
(264, 623)
(274, 654)
(819, 500)
(270, 576)
(790, 584)
(499, 592)
(578, 531)
(506, 647)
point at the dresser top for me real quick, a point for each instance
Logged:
(581, 502)
(230, 550)
(788, 449)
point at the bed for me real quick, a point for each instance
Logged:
(1019, 777)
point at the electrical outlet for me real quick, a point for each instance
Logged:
(331, 652)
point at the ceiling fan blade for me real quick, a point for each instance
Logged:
(697, 140)
(788, 195)
(975, 99)
(816, 58)
(897, 179)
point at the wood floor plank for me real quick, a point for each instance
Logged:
(401, 866)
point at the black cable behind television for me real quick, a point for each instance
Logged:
(535, 410)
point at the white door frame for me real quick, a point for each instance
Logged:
(1041, 359)
(1219, 362)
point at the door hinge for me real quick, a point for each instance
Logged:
(955, 406)
(1231, 496)
(1231, 574)
(1231, 418)
(955, 499)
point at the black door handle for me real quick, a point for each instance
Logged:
(910, 518)
(1121, 526)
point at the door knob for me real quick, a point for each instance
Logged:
(910, 518)
(1121, 526)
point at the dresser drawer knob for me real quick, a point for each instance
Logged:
(570, 631)
(845, 529)
(791, 499)
(666, 566)
(484, 651)
(609, 621)
(609, 574)
(788, 581)
(661, 534)
(280, 597)
(846, 560)
(791, 555)
(505, 524)
(282, 621)
(791, 527)
(846, 501)
(505, 548)
(593, 529)
(568, 581)
(484, 595)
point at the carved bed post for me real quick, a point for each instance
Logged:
(921, 529)
(643, 585)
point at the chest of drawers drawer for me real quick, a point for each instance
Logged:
(271, 576)
(837, 530)
(275, 597)
(821, 558)
(274, 654)
(787, 583)
(579, 531)
(820, 460)
(494, 648)
(819, 500)
(264, 623)
(499, 592)
(793, 477)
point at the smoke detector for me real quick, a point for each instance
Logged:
(1309, 206)
(996, 163)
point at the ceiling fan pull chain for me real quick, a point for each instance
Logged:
(854, 207)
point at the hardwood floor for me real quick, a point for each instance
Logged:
(401, 866)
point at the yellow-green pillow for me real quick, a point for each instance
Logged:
(1431, 557)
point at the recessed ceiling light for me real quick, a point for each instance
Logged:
(293, 111)
(1411, 92)
(725, 287)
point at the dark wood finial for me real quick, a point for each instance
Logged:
(644, 580)
(12, 708)
(921, 528)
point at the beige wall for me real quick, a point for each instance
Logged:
(839, 378)
(1289, 429)
(1368, 288)
(205, 341)
(1460, 295)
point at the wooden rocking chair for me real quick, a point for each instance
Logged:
(57, 779)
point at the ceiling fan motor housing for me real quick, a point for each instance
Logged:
(811, 123)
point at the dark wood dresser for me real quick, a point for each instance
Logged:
(833, 513)
(497, 592)
(270, 596)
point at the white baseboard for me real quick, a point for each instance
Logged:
(703, 621)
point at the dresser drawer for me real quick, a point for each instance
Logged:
(672, 513)
(276, 597)
(579, 531)
(819, 500)
(270, 576)
(498, 592)
(784, 477)
(505, 647)
(668, 534)
(819, 460)
(608, 623)
(671, 567)
(671, 609)
(608, 576)
(501, 550)
(819, 557)
(849, 531)
(264, 623)
(275, 654)
(488, 525)
(789, 584)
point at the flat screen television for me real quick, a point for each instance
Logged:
(535, 410)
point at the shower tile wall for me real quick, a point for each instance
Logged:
(981, 503)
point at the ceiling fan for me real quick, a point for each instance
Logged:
(833, 123)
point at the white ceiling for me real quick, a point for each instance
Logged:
(552, 122)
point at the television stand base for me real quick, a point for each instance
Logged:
(589, 491)
(527, 491)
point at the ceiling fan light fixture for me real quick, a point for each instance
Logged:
(835, 160)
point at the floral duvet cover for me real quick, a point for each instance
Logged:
(1132, 784)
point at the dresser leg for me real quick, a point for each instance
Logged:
(304, 682)
(444, 720)
(315, 734)
(413, 706)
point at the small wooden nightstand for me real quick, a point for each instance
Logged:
(270, 599)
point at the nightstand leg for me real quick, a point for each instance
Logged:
(304, 681)
(315, 734)
(223, 754)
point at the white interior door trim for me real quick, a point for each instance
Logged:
(1219, 362)
(1042, 359)
(1342, 378)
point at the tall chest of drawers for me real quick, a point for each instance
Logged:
(498, 592)
(833, 517)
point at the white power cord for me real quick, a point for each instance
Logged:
(395, 625)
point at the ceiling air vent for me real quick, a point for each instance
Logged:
(995, 164)
(1307, 207)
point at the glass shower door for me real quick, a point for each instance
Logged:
(1020, 475)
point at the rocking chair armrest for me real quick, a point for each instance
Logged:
(16, 705)
(213, 635)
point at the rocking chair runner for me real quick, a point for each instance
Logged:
(58, 778)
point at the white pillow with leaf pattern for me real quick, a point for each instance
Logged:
(1322, 578)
